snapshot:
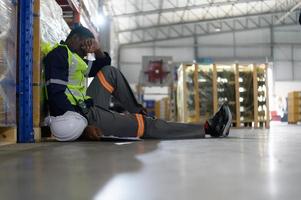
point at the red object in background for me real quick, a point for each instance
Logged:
(275, 116)
(155, 71)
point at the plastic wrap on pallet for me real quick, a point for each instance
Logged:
(53, 26)
(205, 83)
(8, 45)
(226, 86)
(180, 95)
(185, 94)
(190, 85)
(53, 29)
(246, 94)
(262, 92)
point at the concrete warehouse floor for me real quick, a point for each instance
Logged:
(250, 164)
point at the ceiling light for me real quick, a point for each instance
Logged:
(99, 20)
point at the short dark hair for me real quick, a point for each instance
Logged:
(81, 31)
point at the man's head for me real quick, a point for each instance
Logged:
(77, 38)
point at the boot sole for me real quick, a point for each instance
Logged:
(228, 125)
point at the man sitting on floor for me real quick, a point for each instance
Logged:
(76, 108)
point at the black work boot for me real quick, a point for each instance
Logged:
(219, 125)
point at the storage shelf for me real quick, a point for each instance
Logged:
(237, 85)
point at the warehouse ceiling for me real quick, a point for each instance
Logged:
(140, 21)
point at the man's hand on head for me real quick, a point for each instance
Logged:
(92, 46)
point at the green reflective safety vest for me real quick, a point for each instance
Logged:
(76, 77)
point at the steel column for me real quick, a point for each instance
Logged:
(25, 123)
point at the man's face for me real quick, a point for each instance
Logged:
(89, 45)
(82, 48)
(77, 44)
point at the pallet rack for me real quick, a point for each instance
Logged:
(202, 88)
(25, 124)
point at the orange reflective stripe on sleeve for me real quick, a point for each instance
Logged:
(140, 120)
(104, 82)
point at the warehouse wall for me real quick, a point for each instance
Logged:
(287, 57)
(281, 46)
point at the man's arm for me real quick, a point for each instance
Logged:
(99, 63)
(101, 58)
(91, 133)
(56, 75)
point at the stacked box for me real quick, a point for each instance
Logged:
(8, 58)
(205, 88)
(226, 87)
(294, 107)
(246, 94)
(262, 94)
(53, 29)
(162, 109)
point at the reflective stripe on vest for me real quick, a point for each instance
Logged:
(56, 81)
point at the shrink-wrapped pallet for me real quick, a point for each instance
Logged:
(53, 29)
(8, 58)
(53, 26)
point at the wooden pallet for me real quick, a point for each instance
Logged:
(8, 135)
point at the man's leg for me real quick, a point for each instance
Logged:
(116, 124)
(160, 129)
(137, 125)
(101, 97)
(110, 81)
